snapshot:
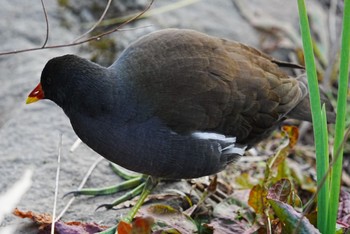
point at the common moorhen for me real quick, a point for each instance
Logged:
(177, 103)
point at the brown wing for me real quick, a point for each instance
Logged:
(197, 82)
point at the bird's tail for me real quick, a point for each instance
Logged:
(302, 111)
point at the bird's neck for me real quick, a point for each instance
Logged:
(99, 97)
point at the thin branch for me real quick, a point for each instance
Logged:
(97, 23)
(75, 145)
(118, 28)
(56, 184)
(82, 183)
(156, 11)
(332, 32)
(47, 23)
(265, 22)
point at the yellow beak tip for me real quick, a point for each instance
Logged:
(31, 100)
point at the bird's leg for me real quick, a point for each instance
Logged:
(150, 184)
(122, 172)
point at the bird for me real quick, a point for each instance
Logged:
(177, 103)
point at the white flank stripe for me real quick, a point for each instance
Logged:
(214, 136)
(231, 149)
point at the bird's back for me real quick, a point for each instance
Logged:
(195, 82)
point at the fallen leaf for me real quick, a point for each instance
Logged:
(41, 219)
(293, 221)
(44, 221)
(140, 225)
(293, 134)
(168, 217)
(257, 199)
(280, 190)
(344, 208)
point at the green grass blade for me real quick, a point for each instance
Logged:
(340, 120)
(321, 154)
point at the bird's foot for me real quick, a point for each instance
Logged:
(139, 184)
(127, 196)
(147, 187)
(133, 181)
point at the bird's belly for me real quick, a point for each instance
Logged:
(153, 149)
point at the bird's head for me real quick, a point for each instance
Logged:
(61, 78)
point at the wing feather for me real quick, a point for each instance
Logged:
(202, 83)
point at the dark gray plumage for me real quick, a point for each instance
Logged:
(177, 103)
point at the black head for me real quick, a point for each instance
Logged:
(61, 76)
(66, 78)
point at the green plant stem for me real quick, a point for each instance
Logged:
(320, 145)
(340, 120)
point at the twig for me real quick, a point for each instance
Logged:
(75, 145)
(265, 22)
(97, 161)
(155, 11)
(97, 23)
(56, 184)
(332, 21)
(83, 41)
(333, 53)
(47, 24)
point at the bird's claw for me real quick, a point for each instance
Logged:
(106, 206)
(75, 193)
